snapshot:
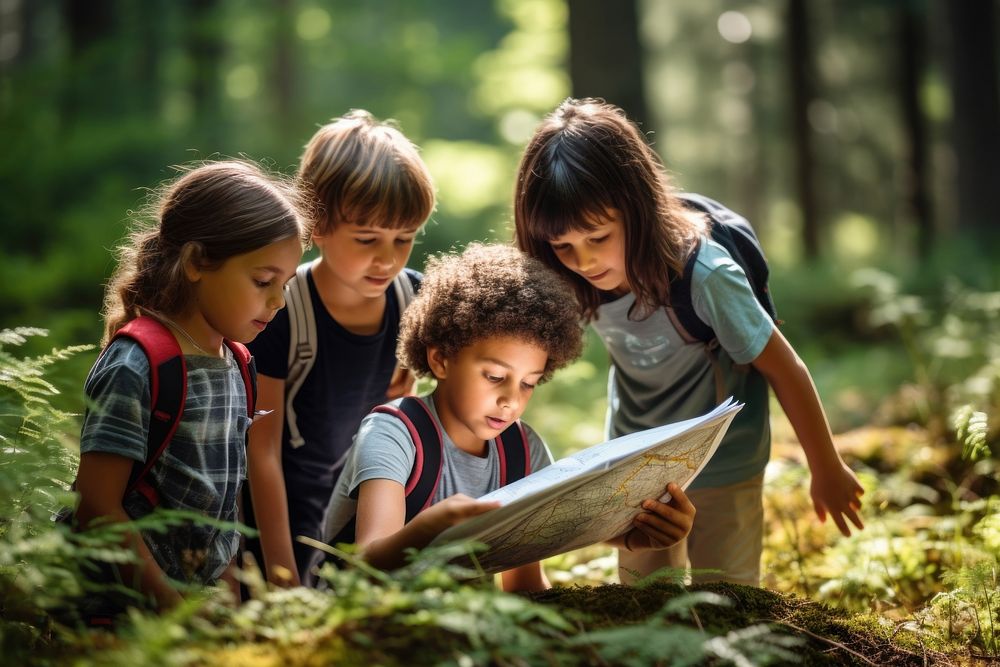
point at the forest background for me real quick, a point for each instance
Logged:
(861, 139)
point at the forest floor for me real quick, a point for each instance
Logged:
(812, 633)
(826, 636)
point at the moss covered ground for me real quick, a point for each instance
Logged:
(829, 636)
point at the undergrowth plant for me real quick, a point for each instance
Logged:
(39, 564)
(431, 612)
(428, 613)
(952, 340)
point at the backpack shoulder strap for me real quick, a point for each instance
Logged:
(514, 453)
(301, 344)
(403, 285)
(168, 390)
(681, 310)
(426, 435)
(735, 233)
(248, 371)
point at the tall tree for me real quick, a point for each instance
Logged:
(976, 104)
(283, 70)
(605, 56)
(800, 54)
(91, 68)
(205, 49)
(912, 46)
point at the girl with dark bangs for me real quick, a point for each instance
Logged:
(594, 202)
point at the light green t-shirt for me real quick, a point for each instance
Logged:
(656, 378)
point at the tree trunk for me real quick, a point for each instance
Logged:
(976, 117)
(803, 86)
(283, 72)
(92, 72)
(605, 57)
(206, 55)
(912, 47)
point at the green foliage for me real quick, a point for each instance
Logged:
(970, 610)
(38, 561)
(36, 460)
(952, 338)
(927, 553)
(428, 613)
(971, 430)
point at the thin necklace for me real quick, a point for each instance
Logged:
(169, 322)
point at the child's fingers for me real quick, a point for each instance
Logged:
(680, 500)
(655, 510)
(853, 517)
(662, 523)
(479, 507)
(841, 524)
(460, 507)
(660, 533)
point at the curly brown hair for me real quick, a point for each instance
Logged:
(490, 290)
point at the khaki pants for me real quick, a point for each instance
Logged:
(727, 536)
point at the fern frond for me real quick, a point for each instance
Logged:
(20, 335)
(971, 429)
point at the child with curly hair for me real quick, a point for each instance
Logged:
(489, 325)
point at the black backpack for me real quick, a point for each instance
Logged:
(734, 233)
(512, 448)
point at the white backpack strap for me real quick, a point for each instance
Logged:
(404, 297)
(404, 291)
(301, 344)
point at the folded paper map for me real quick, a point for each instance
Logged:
(593, 495)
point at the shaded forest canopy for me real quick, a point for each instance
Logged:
(840, 129)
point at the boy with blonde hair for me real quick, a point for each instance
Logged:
(329, 357)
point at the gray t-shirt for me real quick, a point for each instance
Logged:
(656, 378)
(383, 449)
(201, 469)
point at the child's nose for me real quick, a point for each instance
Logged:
(385, 255)
(509, 400)
(583, 258)
(276, 300)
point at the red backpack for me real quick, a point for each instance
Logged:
(168, 390)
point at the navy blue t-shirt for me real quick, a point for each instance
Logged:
(350, 377)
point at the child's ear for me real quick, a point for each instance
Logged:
(192, 259)
(438, 362)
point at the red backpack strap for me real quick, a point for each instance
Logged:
(167, 392)
(426, 435)
(514, 454)
(248, 370)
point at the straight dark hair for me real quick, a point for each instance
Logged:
(585, 159)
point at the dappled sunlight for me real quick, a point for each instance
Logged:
(470, 177)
